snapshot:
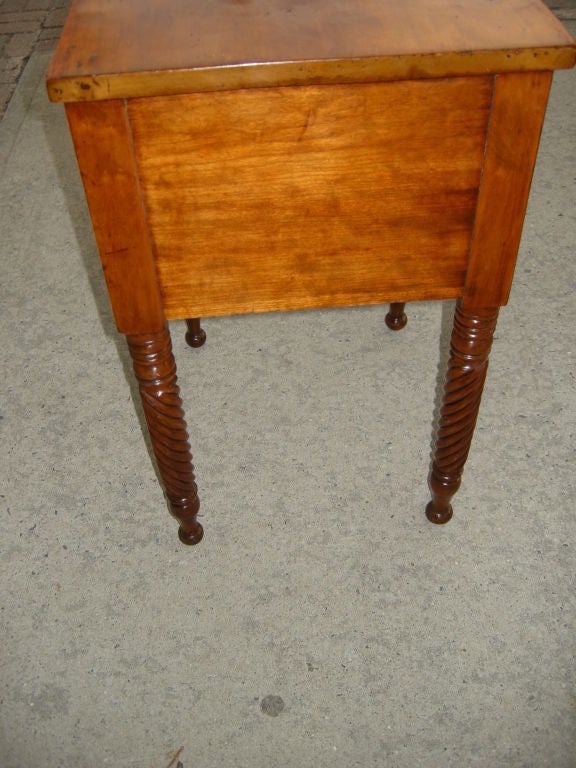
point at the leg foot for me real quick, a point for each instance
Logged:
(396, 318)
(437, 515)
(191, 537)
(155, 370)
(195, 335)
(469, 350)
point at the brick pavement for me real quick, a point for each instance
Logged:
(34, 25)
(25, 26)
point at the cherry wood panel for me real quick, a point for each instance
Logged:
(105, 156)
(151, 47)
(291, 198)
(514, 134)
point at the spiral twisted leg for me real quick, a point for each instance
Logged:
(155, 369)
(469, 350)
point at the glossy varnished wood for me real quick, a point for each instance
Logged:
(134, 48)
(396, 317)
(155, 371)
(469, 350)
(294, 198)
(195, 334)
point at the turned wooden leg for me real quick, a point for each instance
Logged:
(469, 349)
(155, 370)
(396, 318)
(195, 335)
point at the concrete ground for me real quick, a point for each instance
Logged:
(322, 621)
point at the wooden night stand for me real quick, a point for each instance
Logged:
(260, 155)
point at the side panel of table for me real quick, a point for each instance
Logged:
(293, 198)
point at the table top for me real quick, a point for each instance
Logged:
(130, 48)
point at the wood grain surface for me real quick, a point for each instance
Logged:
(290, 198)
(516, 122)
(152, 47)
(103, 145)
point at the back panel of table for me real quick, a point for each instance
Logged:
(300, 197)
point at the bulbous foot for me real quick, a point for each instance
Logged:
(195, 335)
(438, 515)
(396, 318)
(194, 536)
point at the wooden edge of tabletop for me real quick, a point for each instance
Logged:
(125, 85)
